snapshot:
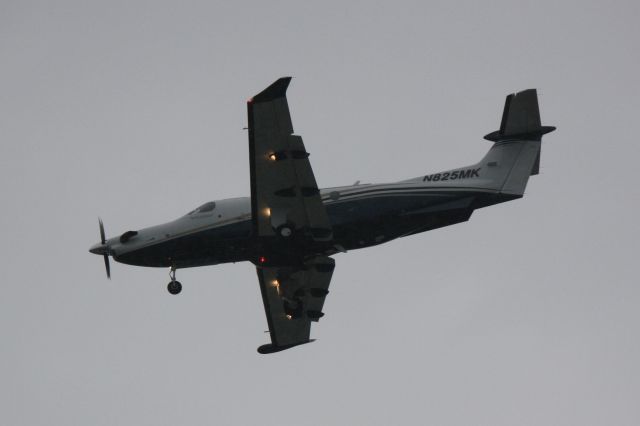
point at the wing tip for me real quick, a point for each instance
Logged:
(270, 348)
(277, 89)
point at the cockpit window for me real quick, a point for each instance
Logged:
(205, 208)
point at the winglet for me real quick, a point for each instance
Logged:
(278, 89)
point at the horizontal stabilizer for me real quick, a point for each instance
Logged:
(520, 119)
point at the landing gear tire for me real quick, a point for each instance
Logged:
(174, 287)
(285, 231)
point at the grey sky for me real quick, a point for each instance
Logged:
(526, 315)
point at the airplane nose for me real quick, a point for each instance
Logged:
(99, 248)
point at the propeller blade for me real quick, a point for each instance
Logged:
(103, 239)
(107, 266)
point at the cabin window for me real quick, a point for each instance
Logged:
(205, 208)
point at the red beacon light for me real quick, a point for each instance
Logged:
(262, 259)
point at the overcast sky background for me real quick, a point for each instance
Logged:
(528, 314)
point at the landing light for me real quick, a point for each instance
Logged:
(272, 157)
(267, 212)
(288, 316)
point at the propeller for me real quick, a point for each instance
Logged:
(103, 240)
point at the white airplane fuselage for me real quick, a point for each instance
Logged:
(361, 216)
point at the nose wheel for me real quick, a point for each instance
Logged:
(174, 285)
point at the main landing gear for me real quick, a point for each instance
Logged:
(174, 286)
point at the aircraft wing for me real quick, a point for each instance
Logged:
(284, 192)
(293, 297)
(287, 213)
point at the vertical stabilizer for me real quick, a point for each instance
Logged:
(520, 135)
(520, 119)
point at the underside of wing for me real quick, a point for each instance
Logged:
(285, 199)
(291, 229)
(293, 297)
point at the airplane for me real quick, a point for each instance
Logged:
(289, 228)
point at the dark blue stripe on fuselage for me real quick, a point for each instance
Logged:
(359, 220)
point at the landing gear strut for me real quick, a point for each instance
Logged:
(174, 286)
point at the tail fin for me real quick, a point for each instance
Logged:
(517, 143)
(514, 156)
(520, 119)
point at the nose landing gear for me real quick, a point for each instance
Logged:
(174, 285)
